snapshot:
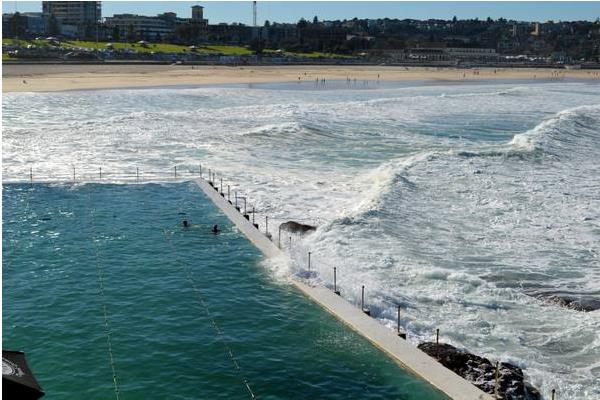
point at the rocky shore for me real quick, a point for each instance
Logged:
(482, 372)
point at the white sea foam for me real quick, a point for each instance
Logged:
(453, 206)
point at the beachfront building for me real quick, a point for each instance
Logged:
(452, 54)
(472, 53)
(153, 28)
(74, 12)
(198, 14)
(229, 33)
(133, 27)
(73, 18)
(23, 25)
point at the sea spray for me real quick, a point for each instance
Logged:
(455, 206)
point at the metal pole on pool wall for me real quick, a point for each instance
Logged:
(266, 225)
(335, 281)
(176, 171)
(137, 174)
(497, 380)
(200, 165)
(30, 174)
(401, 334)
(100, 172)
(364, 309)
(228, 194)
(362, 298)
(437, 343)
(73, 174)
(309, 261)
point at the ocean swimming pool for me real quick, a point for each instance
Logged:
(467, 204)
(159, 280)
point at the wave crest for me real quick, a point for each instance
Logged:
(569, 130)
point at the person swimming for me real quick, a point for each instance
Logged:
(185, 223)
(215, 229)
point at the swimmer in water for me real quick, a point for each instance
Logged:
(185, 223)
(215, 229)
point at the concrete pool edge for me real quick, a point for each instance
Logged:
(405, 354)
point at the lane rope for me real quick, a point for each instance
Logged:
(100, 273)
(187, 270)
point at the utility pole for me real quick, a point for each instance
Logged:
(254, 13)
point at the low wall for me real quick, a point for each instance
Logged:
(401, 351)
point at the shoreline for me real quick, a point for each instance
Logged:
(51, 78)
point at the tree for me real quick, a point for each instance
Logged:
(315, 20)
(454, 20)
(116, 34)
(130, 33)
(188, 33)
(88, 30)
(267, 23)
(302, 24)
(257, 46)
(18, 25)
(53, 28)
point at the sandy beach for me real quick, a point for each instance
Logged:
(40, 78)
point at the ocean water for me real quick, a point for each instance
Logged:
(177, 301)
(457, 201)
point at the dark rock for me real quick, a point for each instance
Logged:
(575, 298)
(296, 227)
(482, 372)
(573, 301)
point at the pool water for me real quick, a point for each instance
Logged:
(179, 309)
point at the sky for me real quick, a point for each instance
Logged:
(292, 11)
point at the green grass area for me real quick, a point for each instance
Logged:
(12, 42)
(23, 42)
(151, 47)
(226, 50)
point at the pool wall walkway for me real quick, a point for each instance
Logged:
(404, 353)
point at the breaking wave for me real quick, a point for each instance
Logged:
(453, 201)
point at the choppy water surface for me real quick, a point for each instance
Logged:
(457, 201)
(177, 301)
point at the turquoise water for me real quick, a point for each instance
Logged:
(167, 292)
(466, 204)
